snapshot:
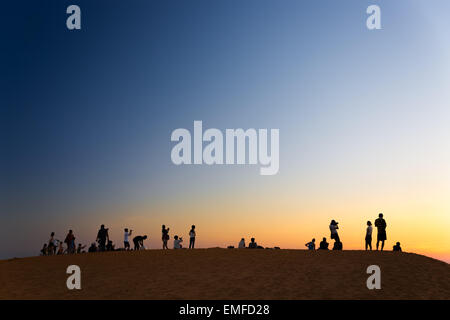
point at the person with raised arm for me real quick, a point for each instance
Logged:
(311, 245)
(126, 242)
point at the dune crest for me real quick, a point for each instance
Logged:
(227, 274)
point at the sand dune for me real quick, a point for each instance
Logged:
(226, 274)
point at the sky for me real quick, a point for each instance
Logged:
(87, 116)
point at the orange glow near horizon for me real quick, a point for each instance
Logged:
(289, 221)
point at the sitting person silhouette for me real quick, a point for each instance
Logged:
(177, 242)
(93, 247)
(253, 244)
(311, 245)
(397, 247)
(323, 244)
(337, 245)
(110, 246)
(80, 248)
(241, 243)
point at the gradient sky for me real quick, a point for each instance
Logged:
(86, 119)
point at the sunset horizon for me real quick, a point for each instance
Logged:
(134, 133)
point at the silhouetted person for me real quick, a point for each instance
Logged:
(323, 244)
(253, 244)
(177, 242)
(60, 248)
(51, 247)
(337, 245)
(311, 245)
(165, 236)
(333, 230)
(139, 242)
(241, 243)
(102, 238)
(70, 241)
(109, 246)
(44, 250)
(192, 237)
(369, 235)
(93, 247)
(397, 247)
(126, 235)
(80, 247)
(381, 225)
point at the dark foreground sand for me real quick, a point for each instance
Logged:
(226, 274)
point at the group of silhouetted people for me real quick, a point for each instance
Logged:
(380, 223)
(324, 244)
(103, 243)
(55, 247)
(177, 241)
(252, 244)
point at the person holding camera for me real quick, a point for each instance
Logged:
(165, 236)
(126, 242)
(333, 230)
(177, 242)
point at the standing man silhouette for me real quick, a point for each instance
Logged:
(192, 237)
(102, 238)
(381, 225)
